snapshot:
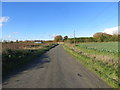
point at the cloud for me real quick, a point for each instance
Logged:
(71, 36)
(3, 19)
(112, 31)
(8, 37)
(1, 25)
(15, 32)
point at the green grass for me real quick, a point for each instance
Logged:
(94, 51)
(111, 47)
(107, 72)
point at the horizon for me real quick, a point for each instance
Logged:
(44, 20)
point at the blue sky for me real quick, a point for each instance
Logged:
(44, 20)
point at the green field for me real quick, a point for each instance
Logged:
(108, 47)
(101, 58)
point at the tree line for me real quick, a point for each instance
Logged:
(97, 37)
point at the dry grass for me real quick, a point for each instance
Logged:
(105, 66)
(105, 57)
(16, 54)
(23, 45)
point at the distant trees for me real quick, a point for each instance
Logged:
(5, 41)
(58, 38)
(97, 37)
(65, 37)
(115, 37)
(80, 39)
(101, 37)
(17, 41)
(11, 42)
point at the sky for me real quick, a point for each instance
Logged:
(44, 20)
(60, 0)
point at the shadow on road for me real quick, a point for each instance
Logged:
(33, 64)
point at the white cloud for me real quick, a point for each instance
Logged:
(2, 20)
(112, 31)
(71, 36)
(1, 25)
(9, 36)
(15, 32)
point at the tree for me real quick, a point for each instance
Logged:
(17, 41)
(66, 37)
(58, 38)
(11, 42)
(102, 37)
(5, 41)
(115, 37)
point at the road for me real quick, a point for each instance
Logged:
(54, 69)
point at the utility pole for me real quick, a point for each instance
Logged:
(74, 37)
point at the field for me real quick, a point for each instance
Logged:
(101, 58)
(106, 47)
(16, 54)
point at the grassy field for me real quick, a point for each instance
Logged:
(111, 47)
(16, 54)
(101, 58)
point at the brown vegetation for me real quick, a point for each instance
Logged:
(58, 38)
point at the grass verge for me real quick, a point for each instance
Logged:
(105, 71)
(108, 58)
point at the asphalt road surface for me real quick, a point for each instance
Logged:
(54, 69)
